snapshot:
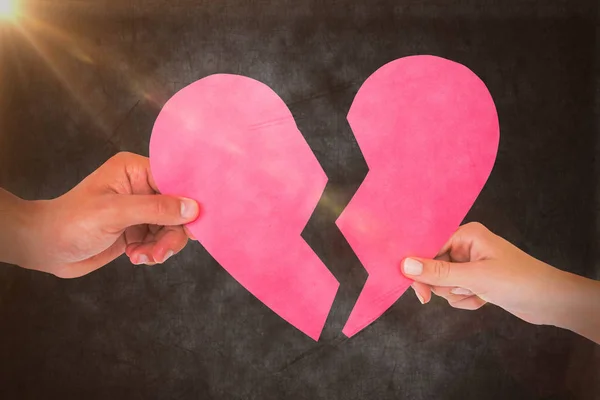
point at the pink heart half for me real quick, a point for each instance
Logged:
(231, 143)
(429, 132)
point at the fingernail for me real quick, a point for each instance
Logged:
(458, 290)
(419, 297)
(413, 267)
(142, 259)
(189, 208)
(168, 255)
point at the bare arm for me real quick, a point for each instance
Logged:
(115, 210)
(476, 267)
(16, 221)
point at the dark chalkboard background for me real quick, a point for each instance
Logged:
(186, 329)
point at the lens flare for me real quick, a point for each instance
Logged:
(8, 9)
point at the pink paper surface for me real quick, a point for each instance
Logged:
(232, 144)
(429, 132)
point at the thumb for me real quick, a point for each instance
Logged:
(440, 273)
(130, 210)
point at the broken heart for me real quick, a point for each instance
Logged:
(231, 142)
(428, 130)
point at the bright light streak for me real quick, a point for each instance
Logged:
(9, 9)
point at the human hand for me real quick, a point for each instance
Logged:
(115, 210)
(475, 266)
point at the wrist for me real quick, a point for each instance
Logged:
(578, 306)
(27, 232)
(18, 219)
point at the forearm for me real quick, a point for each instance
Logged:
(579, 307)
(15, 222)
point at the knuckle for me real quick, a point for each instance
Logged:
(124, 157)
(460, 305)
(165, 206)
(161, 207)
(475, 228)
(441, 269)
(452, 303)
(63, 273)
(120, 157)
(474, 231)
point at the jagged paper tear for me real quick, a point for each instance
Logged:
(429, 132)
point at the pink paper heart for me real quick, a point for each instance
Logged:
(429, 132)
(231, 143)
